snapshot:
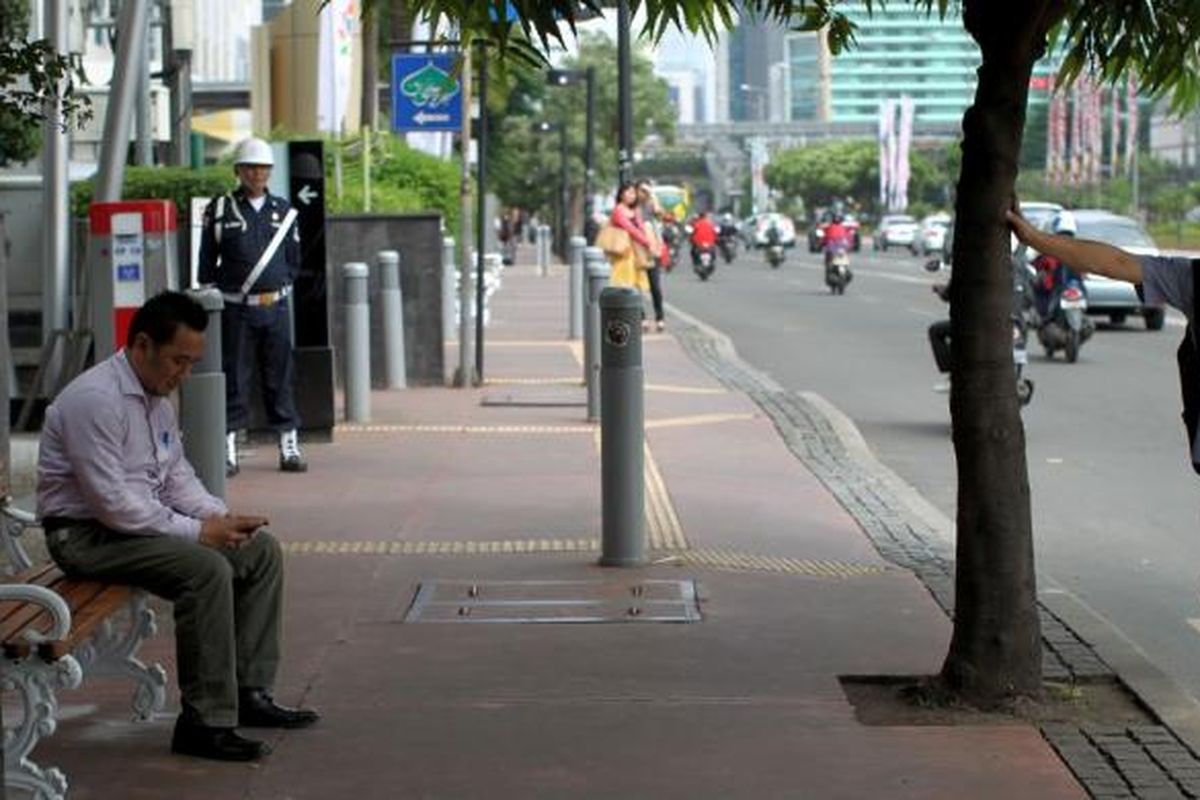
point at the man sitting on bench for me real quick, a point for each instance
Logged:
(120, 503)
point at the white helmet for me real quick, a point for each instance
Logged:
(254, 151)
(1064, 224)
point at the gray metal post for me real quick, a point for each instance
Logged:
(598, 271)
(358, 343)
(539, 248)
(131, 38)
(56, 263)
(392, 298)
(143, 153)
(449, 277)
(622, 429)
(202, 401)
(575, 289)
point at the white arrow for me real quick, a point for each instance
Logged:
(306, 194)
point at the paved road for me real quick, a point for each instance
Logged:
(1116, 508)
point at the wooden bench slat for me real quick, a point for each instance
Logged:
(39, 576)
(110, 600)
(75, 594)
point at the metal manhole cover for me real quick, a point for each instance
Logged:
(555, 601)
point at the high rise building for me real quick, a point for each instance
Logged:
(752, 47)
(901, 51)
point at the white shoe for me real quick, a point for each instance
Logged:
(231, 455)
(290, 459)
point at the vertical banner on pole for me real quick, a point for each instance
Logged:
(885, 154)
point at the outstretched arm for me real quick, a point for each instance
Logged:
(1084, 255)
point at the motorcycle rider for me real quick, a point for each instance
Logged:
(727, 232)
(837, 236)
(1053, 274)
(704, 235)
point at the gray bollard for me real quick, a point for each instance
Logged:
(540, 249)
(391, 297)
(358, 343)
(575, 289)
(598, 271)
(202, 401)
(449, 282)
(622, 429)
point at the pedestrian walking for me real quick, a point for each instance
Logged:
(120, 503)
(1160, 280)
(629, 262)
(652, 214)
(250, 250)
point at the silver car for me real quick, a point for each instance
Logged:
(1105, 296)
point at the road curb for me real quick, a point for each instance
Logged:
(894, 515)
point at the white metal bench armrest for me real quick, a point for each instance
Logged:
(59, 612)
(13, 522)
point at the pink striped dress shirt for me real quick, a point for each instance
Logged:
(112, 453)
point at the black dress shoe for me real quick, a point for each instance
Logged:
(257, 709)
(219, 744)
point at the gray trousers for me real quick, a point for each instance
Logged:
(228, 605)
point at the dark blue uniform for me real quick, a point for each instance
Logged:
(255, 325)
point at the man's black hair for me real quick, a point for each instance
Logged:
(161, 315)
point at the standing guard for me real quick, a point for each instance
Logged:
(250, 250)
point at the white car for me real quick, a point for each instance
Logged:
(931, 235)
(895, 230)
(763, 223)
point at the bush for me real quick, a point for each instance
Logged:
(179, 184)
(403, 180)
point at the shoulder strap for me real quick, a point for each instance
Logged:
(269, 253)
(218, 215)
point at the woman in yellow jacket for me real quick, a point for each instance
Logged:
(625, 216)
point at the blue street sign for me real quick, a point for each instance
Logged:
(426, 94)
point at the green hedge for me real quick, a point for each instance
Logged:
(403, 180)
(179, 184)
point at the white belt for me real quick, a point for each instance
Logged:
(260, 299)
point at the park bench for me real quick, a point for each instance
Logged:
(54, 631)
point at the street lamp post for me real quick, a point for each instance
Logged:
(560, 232)
(566, 77)
(624, 94)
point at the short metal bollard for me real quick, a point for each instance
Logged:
(622, 429)
(449, 283)
(541, 249)
(358, 343)
(575, 289)
(598, 272)
(391, 297)
(202, 401)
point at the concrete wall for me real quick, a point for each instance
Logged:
(418, 238)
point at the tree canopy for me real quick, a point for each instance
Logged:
(524, 164)
(30, 74)
(1154, 39)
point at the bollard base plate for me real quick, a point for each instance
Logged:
(615, 561)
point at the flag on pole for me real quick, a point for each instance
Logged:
(902, 159)
(338, 26)
(1131, 123)
(886, 115)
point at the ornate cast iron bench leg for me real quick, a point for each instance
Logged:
(112, 650)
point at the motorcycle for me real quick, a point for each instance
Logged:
(727, 242)
(837, 268)
(775, 255)
(704, 261)
(1066, 326)
(939, 340)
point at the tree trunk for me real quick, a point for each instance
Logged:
(995, 652)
